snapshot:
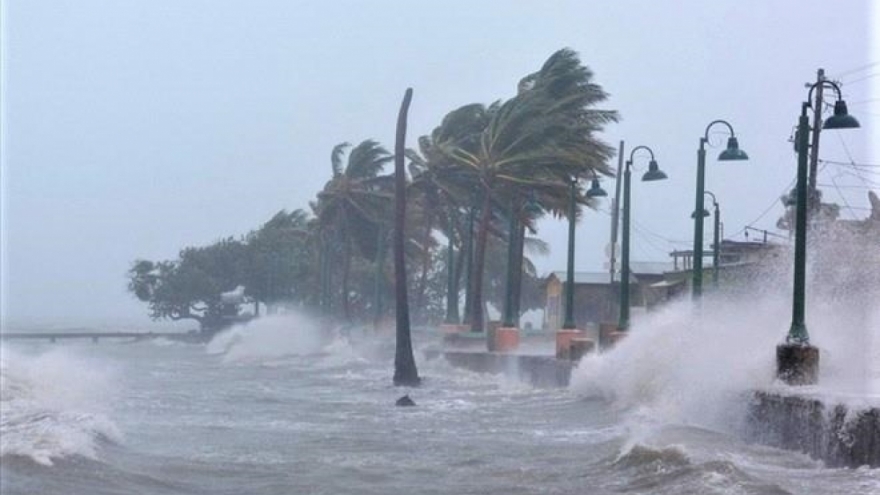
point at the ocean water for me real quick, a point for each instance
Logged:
(277, 408)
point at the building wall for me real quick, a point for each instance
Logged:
(553, 309)
(593, 304)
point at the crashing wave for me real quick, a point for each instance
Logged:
(50, 407)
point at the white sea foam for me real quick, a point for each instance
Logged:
(54, 405)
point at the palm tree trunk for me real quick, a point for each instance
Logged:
(512, 256)
(405, 372)
(346, 268)
(426, 263)
(456, 278)
(324, 275)
(469, 270)
(380, 274)
(479, 263)
(451, 285)
(518, 274)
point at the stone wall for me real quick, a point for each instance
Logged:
(837, 434)
(538, 371)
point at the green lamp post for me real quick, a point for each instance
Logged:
(595, 191)
(716, 253)
(731, 153)
(797, 361)
(654, 173)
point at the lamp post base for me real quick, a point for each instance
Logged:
(580, 346)
(797, 364)
(506, 339)
(563, 341)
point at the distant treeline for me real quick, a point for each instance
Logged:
(476, 185)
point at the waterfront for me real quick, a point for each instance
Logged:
(261, 412)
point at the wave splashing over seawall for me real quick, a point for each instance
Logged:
(686, 365)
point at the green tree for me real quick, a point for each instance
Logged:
(351, 207)
(279, 265)
(193, 286)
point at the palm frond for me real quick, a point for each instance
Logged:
(366, 160)
(336, 157)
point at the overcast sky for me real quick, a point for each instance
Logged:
(133, 128)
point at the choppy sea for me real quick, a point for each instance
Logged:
(275, 408)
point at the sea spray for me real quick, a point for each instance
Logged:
(269, 337)
(54, 405)
(689, 367)
(697, 365)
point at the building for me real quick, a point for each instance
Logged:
(596, 298)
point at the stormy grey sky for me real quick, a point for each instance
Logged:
(133, 128)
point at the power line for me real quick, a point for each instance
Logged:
(858, 172)
(869, 76)
(862, 102)
(842, 197)
(838, 186)
(767, 210)
(851, 164)
(860, 68)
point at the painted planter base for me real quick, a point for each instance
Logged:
(563, 342)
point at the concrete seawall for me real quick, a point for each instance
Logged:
(836, 433)
(538, 371)
(842, 433)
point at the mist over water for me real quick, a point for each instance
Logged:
(273, 336)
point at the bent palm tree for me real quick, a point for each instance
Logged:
(352, 205)
(534, 143)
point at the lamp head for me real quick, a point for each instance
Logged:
(841, 118)
(596, 190)
(705, 213)
(654, 172)
(733, 152)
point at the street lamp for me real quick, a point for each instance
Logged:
(595, 191)
(716, 253)
(653, 173)
(731, 153)
(797, 361)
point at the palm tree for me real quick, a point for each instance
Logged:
(437, 198)
(351, 207)
(533, 143)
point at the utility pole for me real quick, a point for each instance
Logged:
(615, 223)
(615, 218)
(814, 140)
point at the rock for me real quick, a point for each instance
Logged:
(404, 401)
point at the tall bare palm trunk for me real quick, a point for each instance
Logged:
(405, 372)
